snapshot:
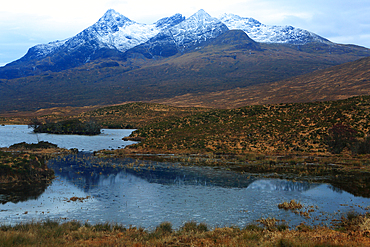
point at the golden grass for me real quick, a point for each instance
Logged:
(52, 233)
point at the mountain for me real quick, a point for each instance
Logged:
(115, 34)
(271, 34)
(228, 62)
(194, 56)
(112, 35)
(191, 33)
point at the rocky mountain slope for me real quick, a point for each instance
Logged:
(190, 34)
(271, 34)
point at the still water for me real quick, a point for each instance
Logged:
(109, 139)
(147, 193)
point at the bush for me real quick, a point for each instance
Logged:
(340, 137)
(363, 147)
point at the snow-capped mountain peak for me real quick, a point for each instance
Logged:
(112, 15)
(114, 34)
(110, 22)
(196, 29)
(112, 31)
(117, 31)
(188, 34)
(235, 20)
(201, 15)
(270, 34)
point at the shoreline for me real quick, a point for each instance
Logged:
(352, 230)
(266, 232)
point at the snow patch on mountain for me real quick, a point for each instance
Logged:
(197, 28)
(270, 34)
(113, 31)
(117, 31)
(168, 22)
(42, 50)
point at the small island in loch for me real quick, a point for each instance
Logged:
(66, 127)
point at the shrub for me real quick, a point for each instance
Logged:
(340, 136)
(363, 147)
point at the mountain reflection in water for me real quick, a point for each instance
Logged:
(86, 172)
(147, 193)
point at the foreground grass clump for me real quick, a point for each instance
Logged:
(354, 222)
(292, 205)
(268, 233)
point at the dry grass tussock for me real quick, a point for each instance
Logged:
(292, 205)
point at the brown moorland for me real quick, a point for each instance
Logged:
(335, 83)
(280, 128)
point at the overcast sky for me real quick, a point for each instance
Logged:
(25, 23)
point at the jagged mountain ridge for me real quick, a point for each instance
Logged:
(113, 31)
(191, 33)
(271, 34)
(114, 34)
(232, 60)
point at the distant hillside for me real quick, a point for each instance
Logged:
(137, 115)
(335, 83)
(282, 128)
(230, 61)
(130, 115)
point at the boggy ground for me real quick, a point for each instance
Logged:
(353, 230)
(24, 163)
(24, 173)
(270, 140)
